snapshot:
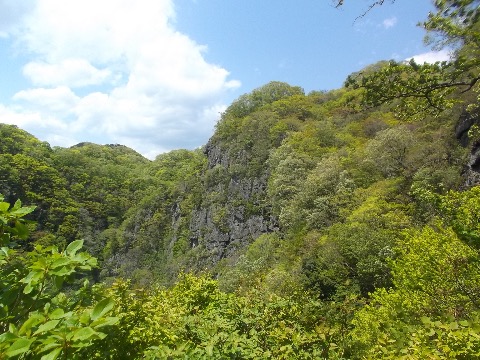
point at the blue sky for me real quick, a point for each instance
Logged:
(155, 74)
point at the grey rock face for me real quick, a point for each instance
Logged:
(465, 122)
(472, 167)
(235, 209)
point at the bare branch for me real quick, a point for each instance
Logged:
(376, 3)
(340, 3)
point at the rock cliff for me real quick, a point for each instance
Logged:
(234, 210)
(467, 136)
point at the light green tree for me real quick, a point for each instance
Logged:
(432, 311)
(428, 88)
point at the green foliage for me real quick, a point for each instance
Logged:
(353, 256)
(195, 320)
(36, 317)
(432, 309)
(455, 23)
(247, 141)
(264, 95)
(12, 224)
(319, 197)
(296, 106)
(387, 153)
(250, 268)
(394, 81)
(146, 246)
(16, 141)
(428, 88)
(461, 210)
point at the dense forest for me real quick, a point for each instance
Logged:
(337, 224)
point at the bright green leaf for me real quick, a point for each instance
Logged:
(17, 205)
(104, 322)
(49, 325)
(28, 289)
(56, 314)
(4, 206)
(31, 322)
(20, 346)
(60, 262)
(102, 308)
(52, 355)
(83, 334)
(23, 211)
(8, 336)
(74, 246)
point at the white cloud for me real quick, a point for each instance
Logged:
(114, 71)
(431, 57)
(74, 72)
(60, 99)
(38, 124)
(390, 22)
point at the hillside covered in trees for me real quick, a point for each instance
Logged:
(337, 224)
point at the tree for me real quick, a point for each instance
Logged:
(264, 95)
(433, 310)
(388, 151)
(428, 87)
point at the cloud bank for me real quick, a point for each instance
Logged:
(431, 57)
(112, 71)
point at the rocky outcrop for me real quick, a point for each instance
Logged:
(472, 168)
(234, 210)
(465, 122)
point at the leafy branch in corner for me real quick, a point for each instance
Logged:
(427, 87)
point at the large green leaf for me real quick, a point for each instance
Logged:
(84, 334)
(5, 251)
(4, 206)
(102, 308)
(23, 211)
(104, 322)
(57, 314)
(20, 346)
(31, 322)
(52, 355)
(74, 246)
(60, 262)
(8, 336)
(49, 325)
(17, 205)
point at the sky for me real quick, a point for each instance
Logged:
(155, 75)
